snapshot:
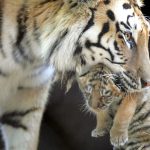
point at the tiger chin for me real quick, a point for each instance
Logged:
(42, 38)
(104, 98)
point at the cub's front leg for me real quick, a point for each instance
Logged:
(103, 123)
(124, 115)
(22, 118)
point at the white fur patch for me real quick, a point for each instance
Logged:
(140, 2)
(39, 77)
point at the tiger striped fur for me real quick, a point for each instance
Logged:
(40, 38)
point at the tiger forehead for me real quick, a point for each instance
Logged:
(111, 7)
(111, 13)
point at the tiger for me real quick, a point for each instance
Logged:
(40, 39)
(113, 108)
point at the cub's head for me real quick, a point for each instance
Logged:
(116, 34)
(98, 88)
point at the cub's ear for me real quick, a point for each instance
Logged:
(78, 3)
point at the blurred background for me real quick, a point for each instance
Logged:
(66, 126)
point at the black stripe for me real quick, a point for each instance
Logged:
(128, 23)
(131, 143)
(19, 51)
(93, 58)
(90, 22)
(142, 117)
(88, 45)
(58, 41)
(3, 74)
(129, 83)
(138, 111)
(120, 54)
(117, 27)
(83, 61)
(84, 74)
(73, 5)
(116, 46)
(131, 77)
(36, 32)
(146, 146)
(122, 23)
(126, 6)
(104, 30)
(113, 62)
(1, 27)
(125, 84)
(47, 1)
(139, 108)
(140, 128)
(14, 118)
(78, 50)
(2, 141)
(21, 20)
(106, 2)
(110, 15)
(141, 142)
(15, 124)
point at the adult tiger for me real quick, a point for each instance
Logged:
(39, 38)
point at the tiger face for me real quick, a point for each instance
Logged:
(117, 36)
(98, 88)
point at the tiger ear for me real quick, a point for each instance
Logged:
(139, 2)
(78, 3)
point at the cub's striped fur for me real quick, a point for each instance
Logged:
(40, 38)
(114, 109)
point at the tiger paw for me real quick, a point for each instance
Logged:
(98, 132)
(118, 138)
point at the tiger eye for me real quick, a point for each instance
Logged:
(128, 35)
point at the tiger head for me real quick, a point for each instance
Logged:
(98, 88)
(117, 34)
(84, 33)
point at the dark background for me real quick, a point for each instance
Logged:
(66, 126)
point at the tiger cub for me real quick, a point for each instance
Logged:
(100, 91)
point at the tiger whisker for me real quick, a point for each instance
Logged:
(85, 109)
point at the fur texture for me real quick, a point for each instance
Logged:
(115, 110)
(42, 38)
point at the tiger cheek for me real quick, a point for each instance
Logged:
(125, 51)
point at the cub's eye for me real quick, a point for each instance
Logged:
(129, 40)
